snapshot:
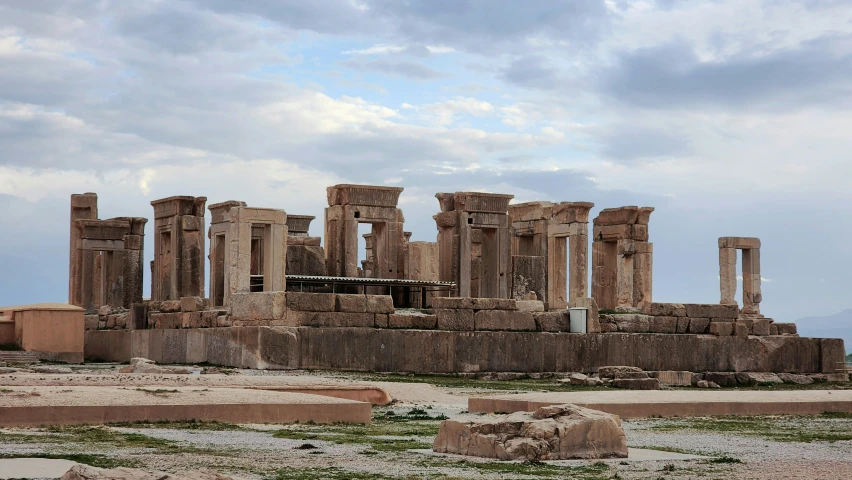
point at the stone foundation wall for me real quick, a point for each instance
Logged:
(438, 351)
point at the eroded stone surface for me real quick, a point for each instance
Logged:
(557, 432)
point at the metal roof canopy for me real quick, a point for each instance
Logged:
(367, 281)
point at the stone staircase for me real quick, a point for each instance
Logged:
(18, 357)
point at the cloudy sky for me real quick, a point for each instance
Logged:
(731, 117)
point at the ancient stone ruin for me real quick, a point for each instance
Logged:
(505, 287)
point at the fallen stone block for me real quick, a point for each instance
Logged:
(707, 384)
(379, 304)
(503, 320)
(795, 378)
(758, 378)
(671, 378)
(631, 375)
(577, 379)
(609, 328)
(613, 370)
(143, 365)
(455, 319)
(637, 383)
(550, 433)
(724, 379)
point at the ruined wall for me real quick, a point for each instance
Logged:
(421, 351)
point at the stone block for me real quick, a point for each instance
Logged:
(698, 325)
(380, 304)
(631, 375)
(795, 379)
(224, 321)
(637, 383)
(455, 319)
(723, 379)
(475, 303)
(832, 355)
(503, 320)
(556, 432)
(166, 320)
(529, 274)
(633, 323)
(761, 327)
(331, 319)
(170, 306)
(381, 320)
(609, 328)
(611, 371)
(722, 329)
(740, 329)
(773, 329)
(663, 325)
(259, 305)
(191, 304)
(209, 318)
(311, 302)
(558, 321)
(682, 325)
(530, 305)
(711, 311)
(786, 328)
(191, 320)
(351, 303)
(91, 322)
(757, 378)
(419, 322)
(665, 309)
(671, 378)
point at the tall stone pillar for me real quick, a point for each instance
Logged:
(622, 258)
(81, 262)
(752, 295)
(728, 275)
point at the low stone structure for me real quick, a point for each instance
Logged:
(53, 331)
(558, 432)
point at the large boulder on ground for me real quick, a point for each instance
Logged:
(557, 432)
(82, 472)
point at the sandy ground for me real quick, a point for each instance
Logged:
(255, 448)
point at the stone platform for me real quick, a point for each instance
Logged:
(666, 403)
(443, 351)
(34, 406)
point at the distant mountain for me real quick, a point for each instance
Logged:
(838, 325)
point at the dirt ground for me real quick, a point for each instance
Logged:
(732, 447)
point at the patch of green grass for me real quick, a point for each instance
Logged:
(726, 459)
(780, 429)
(88, 435)
(187, 425)
(327, 473)
(94, 460)
(412, 415)
(532, 468)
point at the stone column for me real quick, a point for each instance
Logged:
(83, 207)
(643, 263)
(557, 275)
(624, 275)
(728, 275)
(579, 267)
(751, 281)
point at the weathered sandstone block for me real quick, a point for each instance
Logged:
(711, 311)
(170, 306)
(166, 320)
(633, 323)
(455, 318)
(379, 304)
(331, 319)
(612, 371)
(553, 321)
(786, 328)
(550, 433)
(637, 383)
(796, 379)
(609, 328)
(475, 303)
(530, 305)
(761, 327)
(723, 379)
(85, 472)
(351, 303)
(698, 325)
(259, 305)
(722, 329)
(673, 378)
(420, 322)
(191, 304)
(665, 309)
(311, 302)
(663, 325)
(503, 320)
